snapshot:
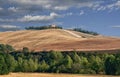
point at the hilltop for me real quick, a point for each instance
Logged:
(58, 39)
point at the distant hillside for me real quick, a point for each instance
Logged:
(58, 39)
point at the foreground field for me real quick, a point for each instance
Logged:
(51, 75)
(60, 40)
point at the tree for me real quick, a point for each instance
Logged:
(25, 49)
(61, 69)
(19, 65)
(76, 58)
(11, 62)
(117, 65)
(84, 63)
(85, 66)
(110, 65)
(76, 67)
(55, 58)
(96, 64)
(9, 48)
(33, 65)
(25, 66)
(3, 66)
(2, 48)
(68, 61)
(43, 66)
(85, 31)
(42, 27)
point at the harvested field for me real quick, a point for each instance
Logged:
(51, 75)
(57, 39)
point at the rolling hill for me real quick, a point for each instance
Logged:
(58, 39)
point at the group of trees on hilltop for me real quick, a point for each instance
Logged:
(59, 27)
(85, 31)
(58, 62)
(42, 27)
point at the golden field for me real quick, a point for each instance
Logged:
(51, 75)
(57, 39)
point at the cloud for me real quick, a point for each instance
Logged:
(13, 9)
(56, 4)
(41, 18)
(112, 5)
(1, 9)
(81, 12)
(61, 8)
(9, 28)
(68, 14)
(115, 5)
(36, 10)
(7, 20)
(117, 26)
(101, 8)
(31, 6)
(36, 18)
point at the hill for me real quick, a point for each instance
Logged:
(58, 39)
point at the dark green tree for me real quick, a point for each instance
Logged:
(3, 48)
(9, 48)
(3, 66)
(11, 63)
(43, 66)
(110, 65)
(96, 64)
(19, 67)
(25, 66)
(25, 49)
(68, 61)
(117, 65)
(33, 65)
(55, 58)
(76, 58)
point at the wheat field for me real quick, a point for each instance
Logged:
(57, 39)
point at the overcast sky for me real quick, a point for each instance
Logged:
(102, 16)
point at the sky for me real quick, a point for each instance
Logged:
(102, 16)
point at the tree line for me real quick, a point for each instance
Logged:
(59, 27)
(58, 62)
(85, 31)
(42, 27)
